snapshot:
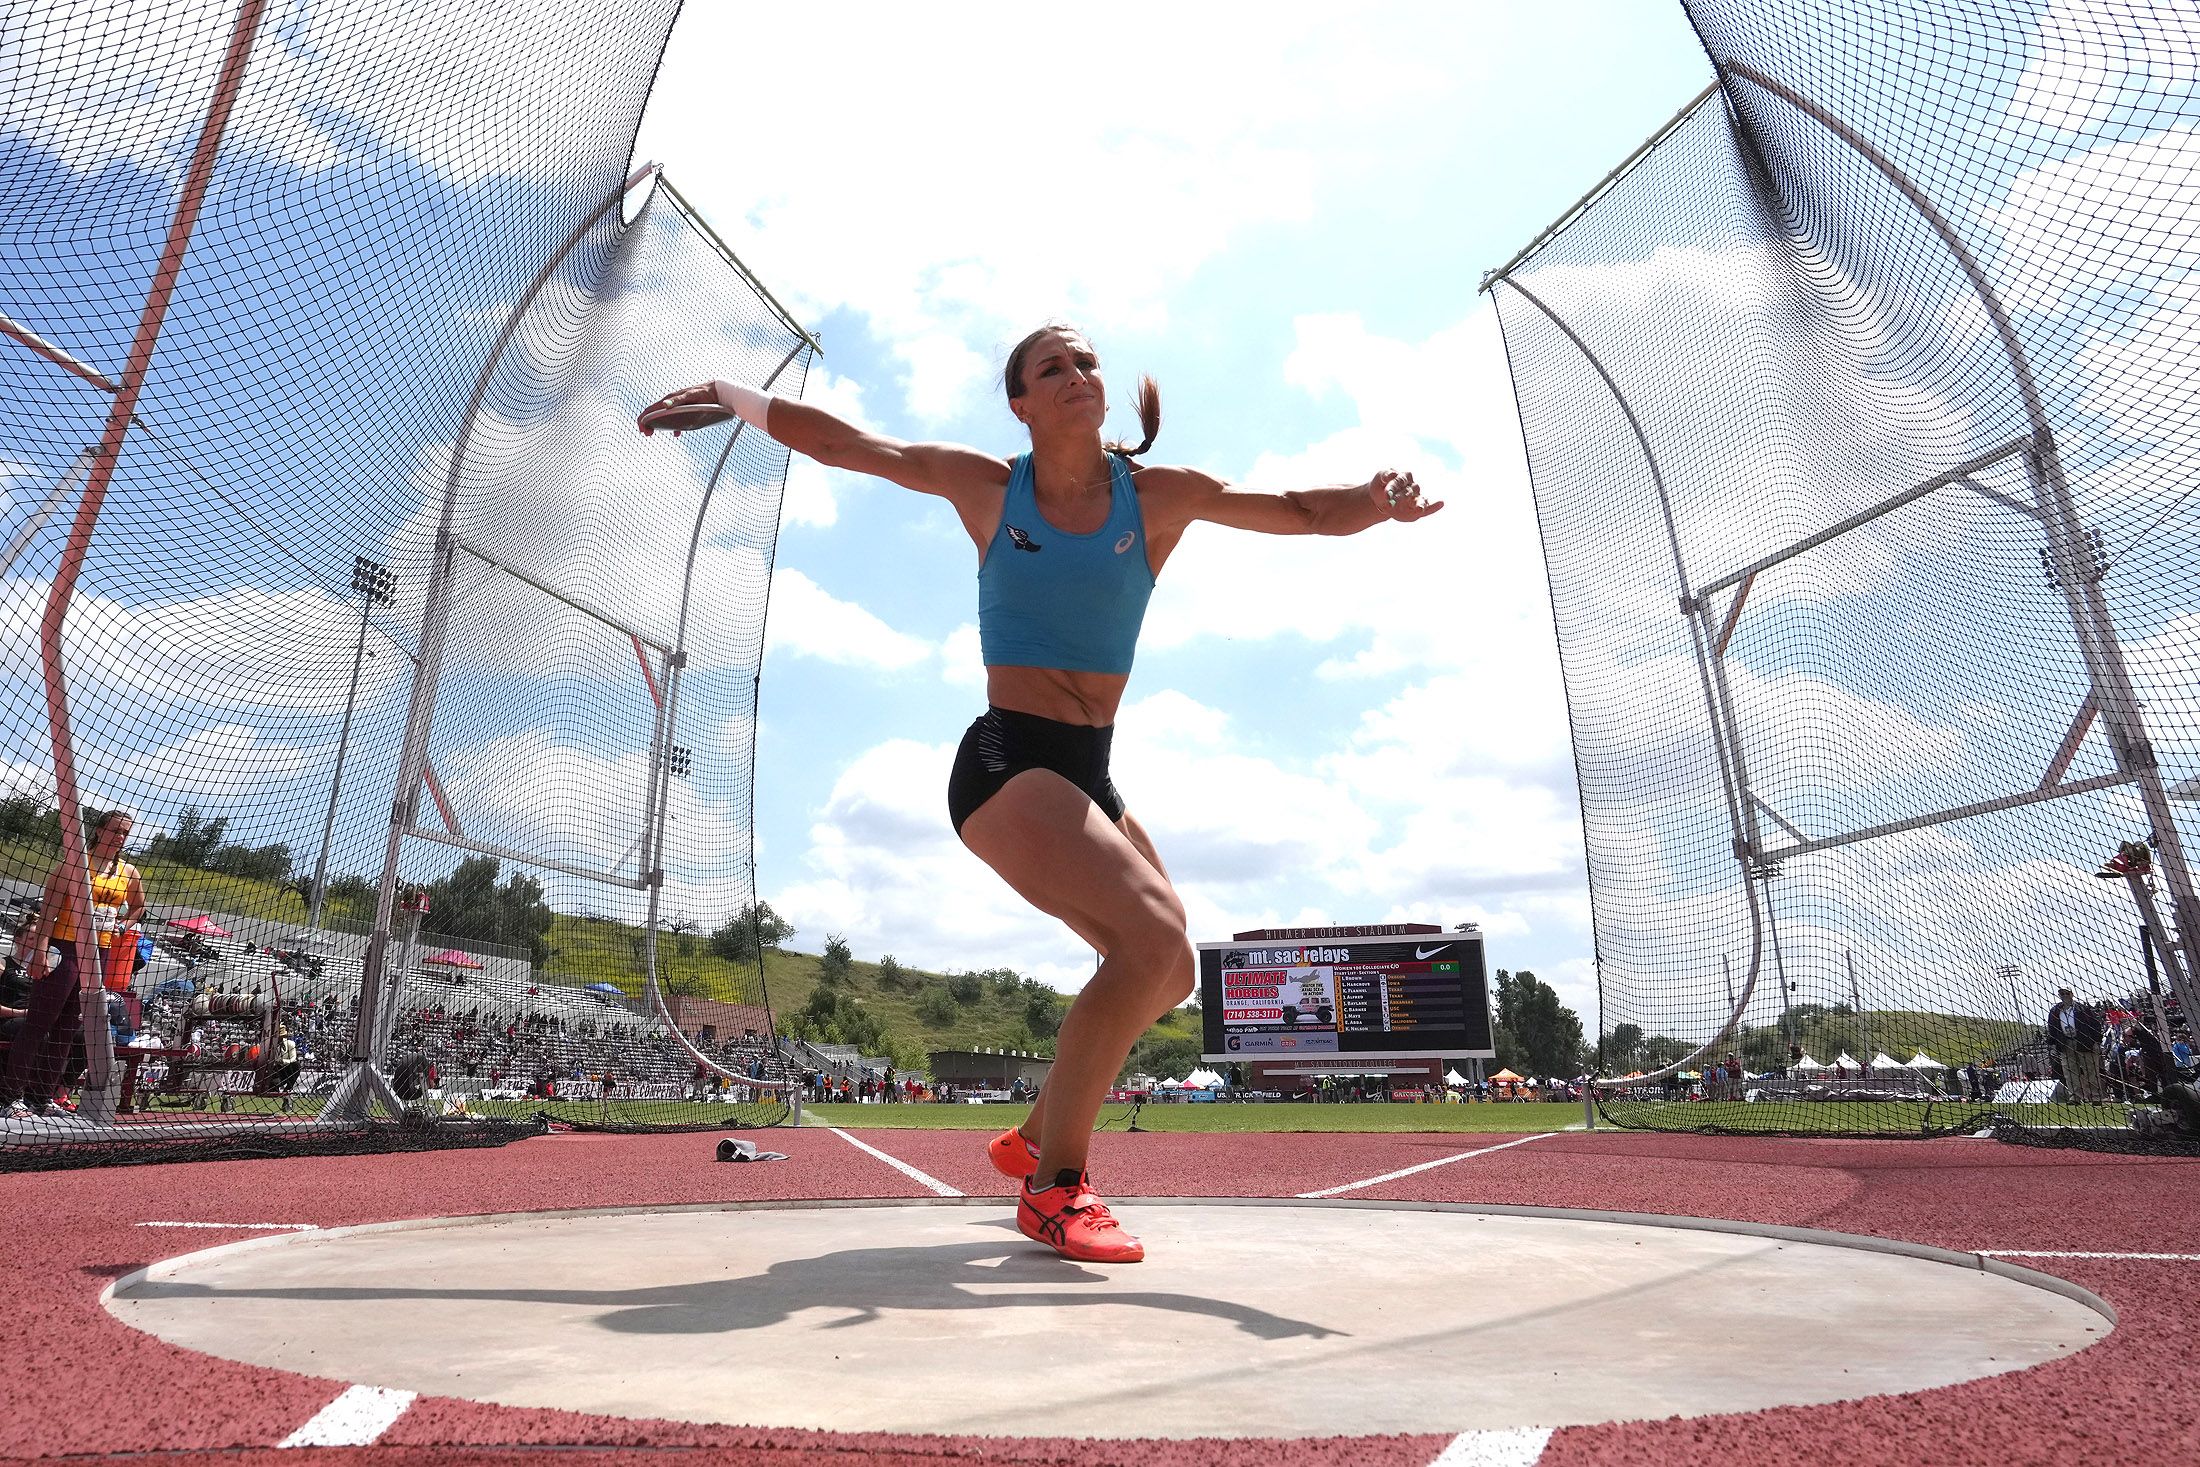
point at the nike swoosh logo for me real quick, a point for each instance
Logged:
(1422, 953)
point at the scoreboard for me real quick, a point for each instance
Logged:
(1263, 997)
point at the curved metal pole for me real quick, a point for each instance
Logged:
(1732, 777)
(348, 1103)
(2095, 628)
(662, 764)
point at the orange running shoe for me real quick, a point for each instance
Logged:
(1070, 1218)
(1012, 1155)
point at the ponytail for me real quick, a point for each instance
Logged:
(1149, 418)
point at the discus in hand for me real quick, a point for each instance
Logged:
(1400, 497)
(690, 407)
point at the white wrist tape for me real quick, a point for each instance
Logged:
(745, 403)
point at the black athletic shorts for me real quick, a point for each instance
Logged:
(1003, 744)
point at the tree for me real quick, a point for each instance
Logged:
(269, 863)
(194, 839)
(1042, 1016)
(938, 1008)
(832, 1017)
(892, 976)
(470, 903)
(27, 814)
(1537, 1035)
(838, 963)
(1006, 981)
(966, 988)
(683, 928)
(1620, 1045)
(750, 932)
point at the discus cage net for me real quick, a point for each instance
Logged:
(334, 560)
(1858, 409)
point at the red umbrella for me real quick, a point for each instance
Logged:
(451, 957)
(203, 926)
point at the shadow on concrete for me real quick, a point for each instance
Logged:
(863, 1283)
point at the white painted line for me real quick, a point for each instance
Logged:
(1521, 1446)
(921, 1178)
(1430, 1166)
(2126, 1257)
(355, 1418)
(241, 1227)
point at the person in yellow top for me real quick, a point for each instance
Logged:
(49, 1029)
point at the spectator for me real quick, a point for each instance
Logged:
(52, 1022)
(2075, 1031)
(15, 982)
(283, 1066)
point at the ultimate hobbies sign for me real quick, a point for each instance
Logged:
(1268, 996)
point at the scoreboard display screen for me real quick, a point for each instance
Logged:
(1389, 995)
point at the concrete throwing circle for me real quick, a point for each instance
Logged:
(1248, 1319)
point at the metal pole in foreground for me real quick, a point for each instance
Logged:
(99, 1092)
(373, 583)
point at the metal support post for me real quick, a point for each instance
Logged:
(100, 1084)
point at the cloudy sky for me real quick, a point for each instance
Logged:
(1284, 222)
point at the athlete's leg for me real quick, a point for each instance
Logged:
(1034, 1122)
(1049, 841)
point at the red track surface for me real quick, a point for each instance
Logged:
(79, 1382)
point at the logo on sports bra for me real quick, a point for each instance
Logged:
(1021, 540)
(1129, 538)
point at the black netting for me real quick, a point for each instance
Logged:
(387, 426)
(1857, 410)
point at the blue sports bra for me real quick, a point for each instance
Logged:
(1047, 598)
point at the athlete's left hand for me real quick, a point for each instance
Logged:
(1399, 497)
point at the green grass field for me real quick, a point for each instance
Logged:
(1210, 1119)
(1858, 1118)
(1894, 1118)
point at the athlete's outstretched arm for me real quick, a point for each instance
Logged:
(946, 469)
(1181, 497)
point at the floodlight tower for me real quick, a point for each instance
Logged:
(377, 586)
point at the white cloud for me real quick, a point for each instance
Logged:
(962, 658)
(242, 649)
(529, 792)
(1010, 165)
(2080, 61)
(813, 490)
(325, 85)
(1249, 841)
(808, 620)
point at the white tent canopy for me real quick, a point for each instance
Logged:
(1925, 1061)
(1453, 1077)
(1205, 1080)
(1886, 1061)
(1846, 1061)
(1806, 1063)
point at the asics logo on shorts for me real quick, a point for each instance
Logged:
(1021, 540)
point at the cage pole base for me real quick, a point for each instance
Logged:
(355, 1095)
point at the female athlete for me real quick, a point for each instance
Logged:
(1070, 537)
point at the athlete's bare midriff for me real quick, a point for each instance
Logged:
(1088, 698)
